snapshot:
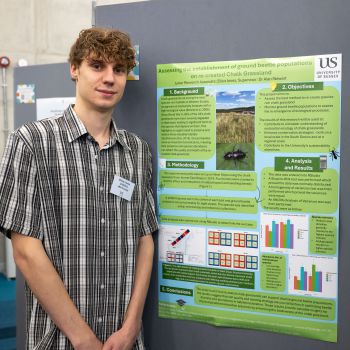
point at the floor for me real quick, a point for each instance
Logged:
(7, 313)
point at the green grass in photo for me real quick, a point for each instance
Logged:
(235, 125)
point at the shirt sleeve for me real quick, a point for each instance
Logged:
(149, 222)
(20, 204)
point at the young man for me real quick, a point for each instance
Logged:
(83, 245)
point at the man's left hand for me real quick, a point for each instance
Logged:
(119, 340)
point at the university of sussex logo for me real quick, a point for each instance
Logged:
(328, 62)
(328, 67)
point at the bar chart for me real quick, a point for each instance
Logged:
(284, 233)
(280, 235)
(313, 276)
(312, 283)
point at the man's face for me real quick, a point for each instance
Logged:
(99, 85)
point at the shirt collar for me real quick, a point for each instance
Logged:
(76, 128)
(118, 136)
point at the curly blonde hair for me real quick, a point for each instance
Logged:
(109, 45)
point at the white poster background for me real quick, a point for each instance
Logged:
(52, 107)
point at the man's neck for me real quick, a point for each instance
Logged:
(97, 123)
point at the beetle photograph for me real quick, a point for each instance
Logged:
(235, 155)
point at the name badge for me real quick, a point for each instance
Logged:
(122, 187)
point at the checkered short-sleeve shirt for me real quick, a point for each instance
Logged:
(55, 186)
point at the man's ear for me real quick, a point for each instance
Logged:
(74, 70)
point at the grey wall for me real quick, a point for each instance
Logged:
(207, 30)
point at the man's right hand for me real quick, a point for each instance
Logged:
(92, 344)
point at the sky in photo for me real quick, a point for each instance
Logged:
(234, 99)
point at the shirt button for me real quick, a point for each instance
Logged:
(101, 188)
(89, 137)
(99, 320)
(96, 156)
(102, 254)
(103, 221)
(102, 286)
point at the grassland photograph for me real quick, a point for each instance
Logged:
(235, 130)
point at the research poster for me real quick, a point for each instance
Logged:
(248, 193)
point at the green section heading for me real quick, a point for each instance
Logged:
(184, 164)
(308, 164)
(299, 86)
(175, 290)
(184, 91)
